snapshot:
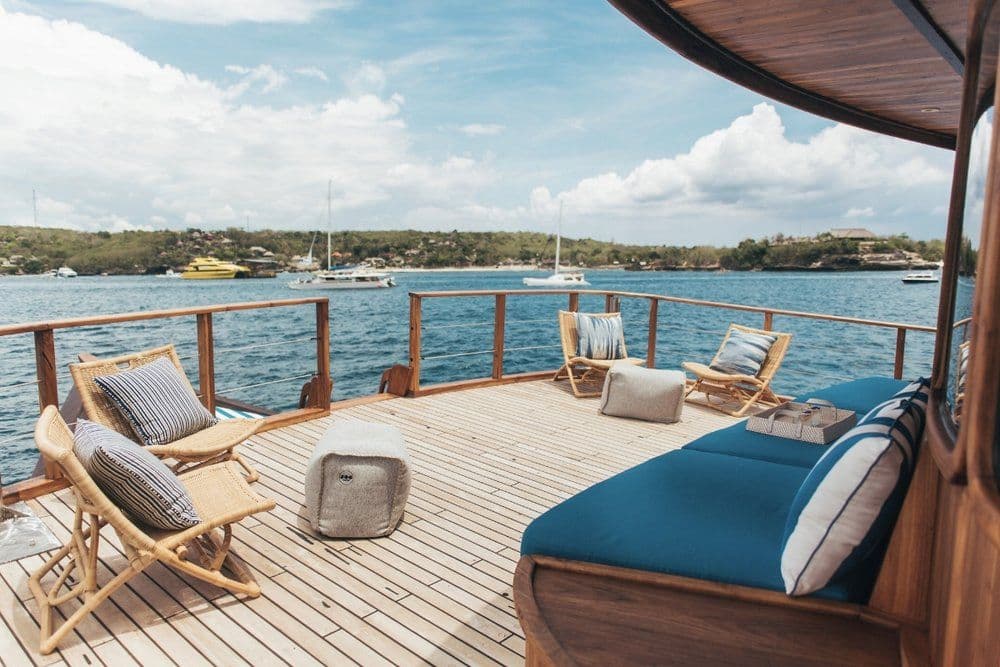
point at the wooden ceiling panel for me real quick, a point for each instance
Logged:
(863, 53)
(858, 61)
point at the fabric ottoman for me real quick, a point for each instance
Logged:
(357, 481)
(643, 393)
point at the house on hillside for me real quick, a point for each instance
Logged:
(853, 234)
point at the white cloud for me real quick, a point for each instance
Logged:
(270, 78)
(482, 129)
(122, 140)
(312, 73)
(222, 12)
(750, 176)
(368, 78)
(855, 212)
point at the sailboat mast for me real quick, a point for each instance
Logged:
(34, 205)
(558, 235)
(329, 222)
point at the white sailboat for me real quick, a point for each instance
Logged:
(351, 277)
(307, 263)
(557, 279)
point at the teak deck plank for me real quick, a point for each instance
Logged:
(437, 591)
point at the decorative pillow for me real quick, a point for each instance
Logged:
(157, 402)
(140, 484)
(744, 353)
(600, 337)
(849, 501)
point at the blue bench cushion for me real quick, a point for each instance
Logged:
(689, 513)
(858, 395)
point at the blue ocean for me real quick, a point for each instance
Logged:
(263, 357)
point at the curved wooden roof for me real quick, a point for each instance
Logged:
(891, 66)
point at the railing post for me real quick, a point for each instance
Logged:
(900, 353)
(414, 343)
(768, 320)
(48, 389)
(321, 397)
(206, 361)
(574, 302)
(612, 304)
(499, 322)
(654, 306)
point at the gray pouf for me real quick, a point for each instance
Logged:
(643, 393)
(358, 480)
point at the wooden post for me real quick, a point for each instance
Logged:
(45, 368)
(654, 306)
(499, 322)
(900, 353)
(574, 302)
(206, 361)
(323, 385)
(48, 389)
(414, 343)
(768, 321)
(611, 303)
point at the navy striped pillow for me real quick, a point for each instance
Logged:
(140, 484)
(743, 354)
(157, 402)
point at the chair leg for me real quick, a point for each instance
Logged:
(82, 550)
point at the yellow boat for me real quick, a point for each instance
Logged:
(210, 268)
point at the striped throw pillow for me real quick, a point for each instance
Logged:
(848, 503)
(600, 337)
(743, 354)
(137, 482)
(157, 402)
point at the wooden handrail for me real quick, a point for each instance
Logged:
(612, 300)
(683, 300)
(97, 320)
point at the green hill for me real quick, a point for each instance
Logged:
(32, 250)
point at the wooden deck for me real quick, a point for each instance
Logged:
(485, 463)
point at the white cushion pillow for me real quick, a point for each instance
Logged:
(848, 503)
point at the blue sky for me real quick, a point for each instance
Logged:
(431, 115)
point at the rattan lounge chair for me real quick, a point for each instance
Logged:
(220, 494)
(211, 445)
(582, 371)
(745, 391)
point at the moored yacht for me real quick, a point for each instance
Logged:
(355, 276)
(920, 277)
(569, 279)
(65, 272)
(210, 268)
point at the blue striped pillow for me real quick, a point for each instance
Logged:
(140, 484)
(848, 503)
(157, 402)
(600, 337)
(743, 354)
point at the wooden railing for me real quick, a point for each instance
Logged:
(612, 301)
(319, 386)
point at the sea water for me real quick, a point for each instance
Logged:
(263, 357)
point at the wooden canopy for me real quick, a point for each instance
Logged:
(890, 66)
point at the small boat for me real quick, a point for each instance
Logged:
(559, 280)
(65, 272)
(210, 268)
(920, 277)
(170, 273)
(307, 263)
(355, 276)
(362, 278)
